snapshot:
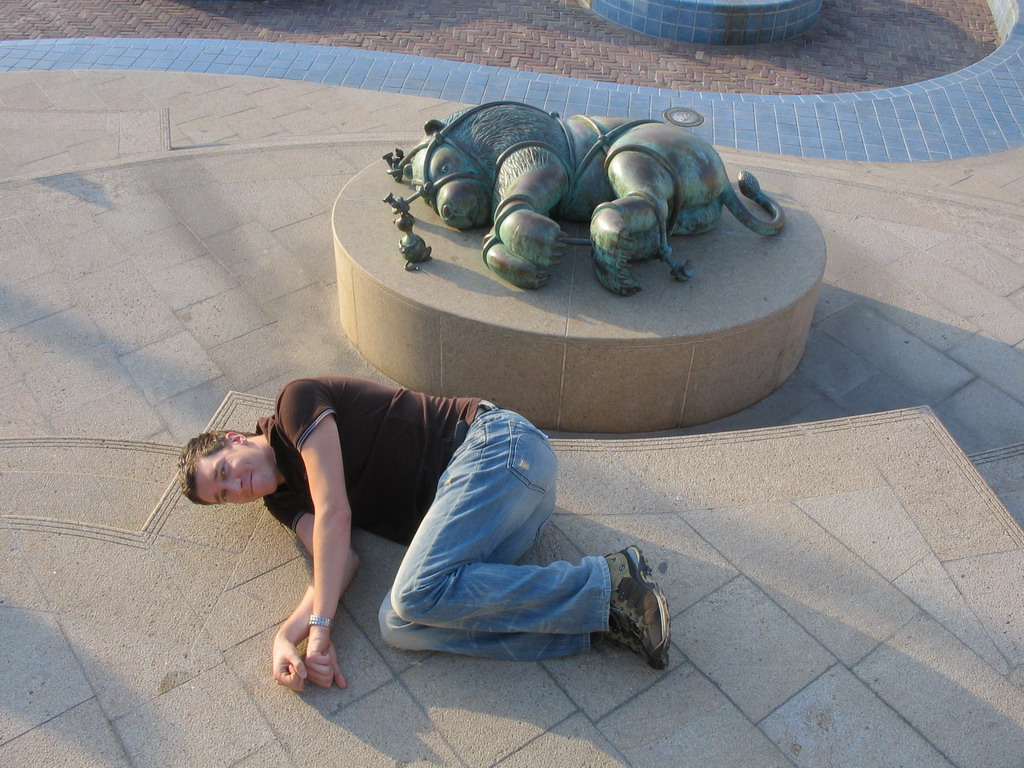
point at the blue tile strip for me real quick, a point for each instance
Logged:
(976, 111)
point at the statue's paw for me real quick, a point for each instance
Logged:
(621, 244)
(613, 274)
(515, 269)
(621, 230)
(532, 236)
(624, 247)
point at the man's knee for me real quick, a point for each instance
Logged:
(414, 601)
(407, 605)
(396, 631)
(391, 624)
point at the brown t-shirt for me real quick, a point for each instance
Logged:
(395, 444)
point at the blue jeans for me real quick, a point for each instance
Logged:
(457, 589)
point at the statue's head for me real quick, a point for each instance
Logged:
(450, 179)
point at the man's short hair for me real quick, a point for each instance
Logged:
(197, 448)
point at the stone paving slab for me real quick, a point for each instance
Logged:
(1004, 468)
(798, 621)
(870, 543)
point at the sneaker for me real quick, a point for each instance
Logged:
(638, 618)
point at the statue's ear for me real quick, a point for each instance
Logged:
(433, 126)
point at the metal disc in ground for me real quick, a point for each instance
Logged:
(684, 116)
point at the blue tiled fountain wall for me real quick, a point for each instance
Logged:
(717, 22)
(738, 22)
(1006, 15)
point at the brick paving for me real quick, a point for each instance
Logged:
(858, 44)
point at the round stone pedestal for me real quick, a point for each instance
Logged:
(571, 356)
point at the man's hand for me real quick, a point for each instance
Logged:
(322, 660)
(289, 670)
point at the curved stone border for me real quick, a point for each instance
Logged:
(976, 111)
(742, 22)
(54, 455)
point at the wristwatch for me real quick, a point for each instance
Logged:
(319, 621)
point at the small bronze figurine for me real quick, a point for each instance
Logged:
(411, 246)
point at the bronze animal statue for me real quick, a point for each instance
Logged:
(517, 168)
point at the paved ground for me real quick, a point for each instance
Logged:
(858, 44)
(844, 592)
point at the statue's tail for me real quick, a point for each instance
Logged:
(751, 189)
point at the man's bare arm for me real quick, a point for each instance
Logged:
(332, 530)
(288, 666)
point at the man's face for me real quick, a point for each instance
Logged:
(239, 473)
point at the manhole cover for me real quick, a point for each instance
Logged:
(684, 116)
